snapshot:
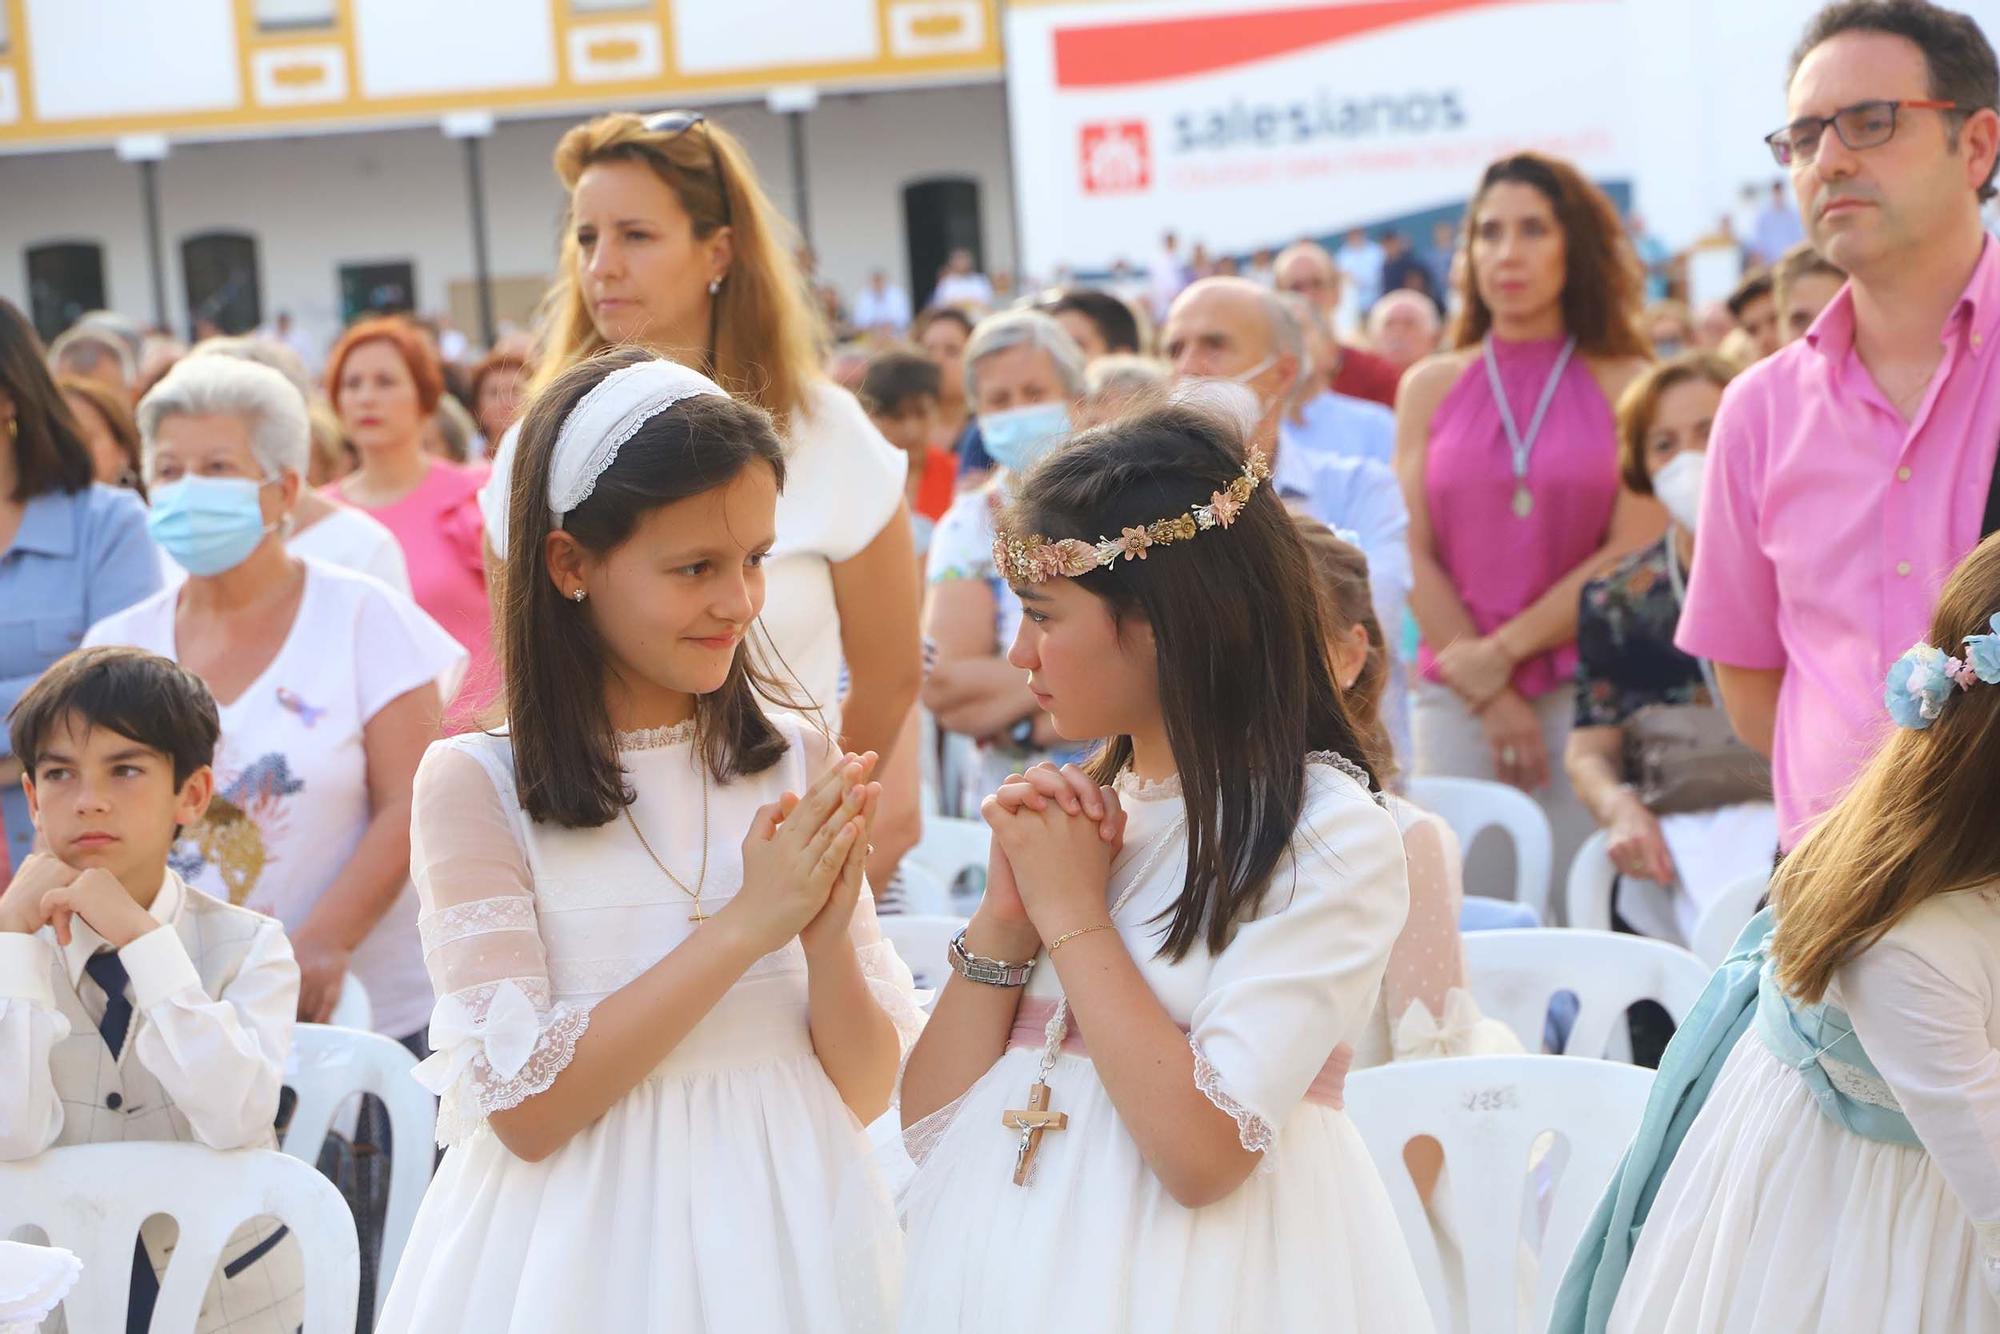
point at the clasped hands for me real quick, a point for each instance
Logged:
(1480, 672)
(1055, 834)
(803, 861)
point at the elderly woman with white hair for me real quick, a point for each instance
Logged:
(1024, 379)
(328, 684)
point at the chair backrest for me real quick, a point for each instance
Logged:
(91, 1199)
(353, 1009)
(947, 850)
(1587, 896)
(1514, 975)
(1487, 1114)
(328, 1067)
(922, 942)
(1724, 919)
(1472, 805)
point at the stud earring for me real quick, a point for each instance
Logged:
(714, 286)
(577, 596)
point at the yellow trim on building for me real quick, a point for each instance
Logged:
(353, 110)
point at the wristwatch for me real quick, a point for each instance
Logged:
(991, 972)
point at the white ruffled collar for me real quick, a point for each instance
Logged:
(657, 738)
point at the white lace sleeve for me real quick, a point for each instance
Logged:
(1307, 972)
(496, 1040)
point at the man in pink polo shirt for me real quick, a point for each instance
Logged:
(1849, 472)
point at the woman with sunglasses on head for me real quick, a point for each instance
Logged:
(672, 245)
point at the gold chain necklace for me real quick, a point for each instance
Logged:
(697, 916)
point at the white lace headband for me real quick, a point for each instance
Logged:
(609, 415)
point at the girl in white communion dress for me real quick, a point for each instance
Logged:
(655, 1048)
(1126, 1108)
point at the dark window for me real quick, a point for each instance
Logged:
(386, 288)
(223, 296)
(940, 216)
(65, 279)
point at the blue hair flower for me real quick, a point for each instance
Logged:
(1918, 686)
(1982, 653)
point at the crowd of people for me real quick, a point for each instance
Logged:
(578, 706)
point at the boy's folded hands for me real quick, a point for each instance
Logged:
(47, 891)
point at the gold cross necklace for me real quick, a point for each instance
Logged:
(695, 915)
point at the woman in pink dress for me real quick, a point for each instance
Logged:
(385, 382)
(1508, 456)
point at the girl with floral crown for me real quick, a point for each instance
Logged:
(1126, 1107)
(1822, 1146)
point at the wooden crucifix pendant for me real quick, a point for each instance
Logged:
(1031, 1121)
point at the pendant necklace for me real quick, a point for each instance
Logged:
(1523, 445)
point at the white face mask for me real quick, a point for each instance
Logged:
(1678, 485)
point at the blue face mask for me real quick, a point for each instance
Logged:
(1018, 437)
(208, 524)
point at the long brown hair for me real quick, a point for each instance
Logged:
(49, 453)
(1917, 823)
(767, 338)
(1601, 276)
(1340, 571)
(1245, 690)
(565, 749)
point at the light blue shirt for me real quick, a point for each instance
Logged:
(75, 560)
(1336, 424)
(1360, 499)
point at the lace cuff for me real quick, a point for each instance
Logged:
(921, 1139)
(1463, 1031)
(493, 1052)
(1252, 1130)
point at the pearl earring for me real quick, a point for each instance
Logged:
(714, 286)
(577, 596)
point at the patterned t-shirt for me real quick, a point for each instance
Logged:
(1626, 657)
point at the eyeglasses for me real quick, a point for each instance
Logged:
(680, 122)
(1863, 125)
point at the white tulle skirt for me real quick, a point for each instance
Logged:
(1094, 1241)
(1774, 1219)
(729, 1193)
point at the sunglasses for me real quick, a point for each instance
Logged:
(1863, 125)
(680, 122)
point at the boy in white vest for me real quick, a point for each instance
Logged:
(133, 1007)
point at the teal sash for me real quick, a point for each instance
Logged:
(1742, 994)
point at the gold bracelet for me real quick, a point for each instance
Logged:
(1068, 936)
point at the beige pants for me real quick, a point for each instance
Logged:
(1450, 743)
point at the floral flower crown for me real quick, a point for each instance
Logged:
(1035, 559)
(1922, 679)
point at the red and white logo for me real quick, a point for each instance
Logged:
(1115, 157)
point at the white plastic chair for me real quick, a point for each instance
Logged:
(947, 849)
(331, 1067)
(1470, 805)
(1592, 877)
(91, 1199)
(1514, 975)
(1723, 920)
(922, 942)
(353, 1009)
(1487, 1112)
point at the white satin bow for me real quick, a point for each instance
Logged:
(505, 1037)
